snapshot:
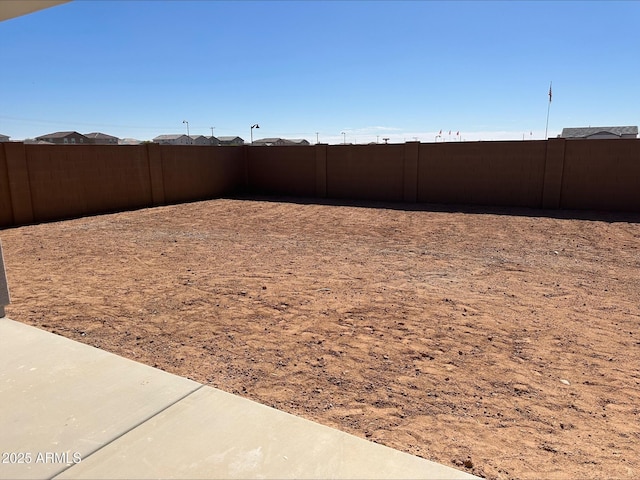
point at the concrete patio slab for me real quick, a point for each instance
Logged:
(63, 397)
(79, 412)
(213, 434)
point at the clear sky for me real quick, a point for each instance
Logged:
(371, 69)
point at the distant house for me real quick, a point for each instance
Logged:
(214, 141)
(600, 132)
(4, 138)
(173, 139)
(129, 141)
(231, 141)
(269, 141)
(200, 140)
(102, 138)
(64, 138)
(33, 141)
(280, 141)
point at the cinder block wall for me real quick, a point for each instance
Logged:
(482, 173)
(367, 172)
(50, 182)
(556, 173)
(282, 170)
(40, 183)
(601, 174)
(195, 172)
(70, 182)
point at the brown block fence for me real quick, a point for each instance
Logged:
(482, 173)
(601, 175)
(40, 183)
(50, 182)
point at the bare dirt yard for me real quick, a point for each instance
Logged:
(500, 342)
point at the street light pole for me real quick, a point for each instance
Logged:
(188, 136)
(317, 137)
(344, 138)
(252, 127)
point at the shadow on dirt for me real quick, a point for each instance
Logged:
(590, 215)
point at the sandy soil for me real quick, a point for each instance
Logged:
(502, 343)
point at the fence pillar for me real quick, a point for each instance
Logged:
(321, 170)
(410, 172)
(553, 169)
(19, 186)
(4, 288)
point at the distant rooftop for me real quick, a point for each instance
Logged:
(585, 132)
(170, 136)
(58, 134)
(281, 141)
(129, 141)
(99, 135)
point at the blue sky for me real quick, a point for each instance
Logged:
(371, 69)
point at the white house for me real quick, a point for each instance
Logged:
(600, 132)
(4, 138)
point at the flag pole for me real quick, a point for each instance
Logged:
(546, 129)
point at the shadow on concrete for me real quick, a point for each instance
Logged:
(589, 215)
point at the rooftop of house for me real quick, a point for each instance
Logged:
(96, 135)
(172, 136)
(283, 141)
(582, 132)
(59, 134)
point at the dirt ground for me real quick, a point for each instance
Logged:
(503, 343)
